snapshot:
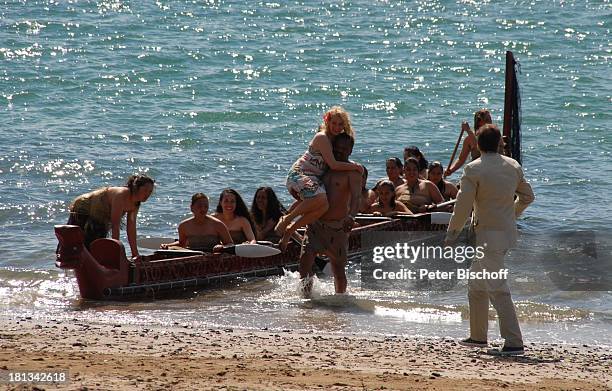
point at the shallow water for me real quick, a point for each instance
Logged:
(212, 94)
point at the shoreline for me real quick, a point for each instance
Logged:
(118, 356)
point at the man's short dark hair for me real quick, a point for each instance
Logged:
(345, 137)
(488, 138)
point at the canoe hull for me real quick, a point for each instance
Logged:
(105, 273)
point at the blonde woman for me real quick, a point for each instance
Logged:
(304, 178)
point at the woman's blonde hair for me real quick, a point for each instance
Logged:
(346, 120)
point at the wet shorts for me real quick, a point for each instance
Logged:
(327, 237)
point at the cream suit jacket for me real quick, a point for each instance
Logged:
(488, 185)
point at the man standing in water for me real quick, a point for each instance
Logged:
(489, 185)
(329, 235)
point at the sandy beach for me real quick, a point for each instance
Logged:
(107, 356)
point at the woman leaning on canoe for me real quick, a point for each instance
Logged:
(101, 210)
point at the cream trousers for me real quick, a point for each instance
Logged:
(481, 291)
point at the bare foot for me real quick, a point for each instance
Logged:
(305, 286)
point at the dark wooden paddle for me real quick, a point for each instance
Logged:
(456, 146)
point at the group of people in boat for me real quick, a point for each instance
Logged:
(100, 212)
(412, 186)
(232, 222)
(330, 190)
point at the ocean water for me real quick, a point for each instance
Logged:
(203, 95)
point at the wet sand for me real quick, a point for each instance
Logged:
(120, 357)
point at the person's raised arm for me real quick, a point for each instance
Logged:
(321, 143)
(468, 143)
(293, 206)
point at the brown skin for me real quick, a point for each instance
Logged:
(469, 144)
(394, 173)
(411, 173)
(368, 197)
(435, 175)
(422, 173)
(344, 194)
(122, 201)
(200, 224)
(383, 207)
(261, 198)
(233, 222)
(311, 209)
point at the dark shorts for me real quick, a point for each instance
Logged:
(91, 228)
(327, 237)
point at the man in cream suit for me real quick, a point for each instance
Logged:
(489, 185)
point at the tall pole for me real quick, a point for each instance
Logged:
(508, 102)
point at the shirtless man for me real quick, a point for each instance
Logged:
(200, 232)
(329, 235)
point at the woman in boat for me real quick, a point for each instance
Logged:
(304, 177)
(419, 195)
(395, 170)
(101, 210)
(481, 117)
(232, 211)
(415, 152)
(201, 232)
(368, 197)
(448, 190)
(266, 210)
(387, 205)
